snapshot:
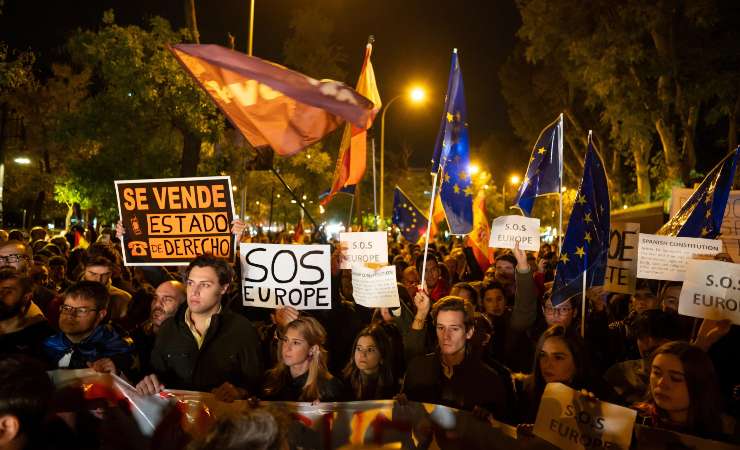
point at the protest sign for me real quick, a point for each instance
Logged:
(508, 230)
(375, 288)
(710, 291)
(665, 257)
(364, 248)
(275, 275)
(171, 221)
(621, 265)
(570, 420)
(730, 223)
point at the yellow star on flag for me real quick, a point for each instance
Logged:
(587, 237)
(447, 178)
(580, 199)
(462, 175)
(456, 188)
(587, 218)
(542, 151)
(531, 158)
(704, 231)
(405, 205)
(580, 252)
(468, 191)
(564, 258)
(708, 214)
(450, 117)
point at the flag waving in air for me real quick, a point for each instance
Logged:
(545, 169)
(701, 216)
(352, 150)
(480, 236)
(452, 156)
(586, 242)
(270, 104)
(407, 217)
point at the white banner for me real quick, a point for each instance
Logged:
(665, 257)
(569, 420)
(710, 290)
(364, 248)
(275, 275)
(375, 288)
(730, 224)
(508, 230)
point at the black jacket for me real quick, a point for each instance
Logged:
(229, 353)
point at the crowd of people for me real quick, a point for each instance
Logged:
(486, 340)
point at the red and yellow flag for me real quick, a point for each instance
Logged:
(353, 148)
(438, 215)
(480, 234)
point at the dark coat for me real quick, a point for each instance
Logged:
(229, 353)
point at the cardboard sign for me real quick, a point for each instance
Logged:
(375, 288)
(621, 265)
(171, 221)
(508, 230)
(364, 248)
(665, 257)
(711, 290)
(730, 223)
(275, 275)
(568, 420)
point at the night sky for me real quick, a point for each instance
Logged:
(414, 40)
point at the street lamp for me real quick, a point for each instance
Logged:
(416, 95)
(22, 160)
(514, 180)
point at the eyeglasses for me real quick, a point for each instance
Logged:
(12, 259)
(557, 311)
(79, 311)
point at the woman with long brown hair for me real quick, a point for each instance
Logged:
(369, 372)
(301, 373)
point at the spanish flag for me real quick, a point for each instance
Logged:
(480, 235)
(353, 148)
(438, 215)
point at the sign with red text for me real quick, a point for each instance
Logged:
(275, 275)
(570, 420)
(665, 257)
(506, 231)
(171, 221)
(621, 264)
(711, 290)
(359, 249)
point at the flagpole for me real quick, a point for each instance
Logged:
(583, 294)
(428, 230)
(351, 209)
(375, 202)
(560, 193)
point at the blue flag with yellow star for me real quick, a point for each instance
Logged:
(586, 241)
(701, 216)
(407, 217)
(545, 168)
(452, 156)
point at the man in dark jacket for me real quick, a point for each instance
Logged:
(451, 376)
(23, 326)
(205, 347)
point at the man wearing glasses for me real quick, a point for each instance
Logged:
(85, 340)
(18, 255)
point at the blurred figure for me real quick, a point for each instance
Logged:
(23, 327)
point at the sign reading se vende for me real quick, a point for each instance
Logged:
(171, 221)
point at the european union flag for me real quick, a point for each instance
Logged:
(452, 156)
(702, 214)
(407, 217)
(350, 189)
(586, 241)
(545, 169)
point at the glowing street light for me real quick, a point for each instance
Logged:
(473, 169)
(514, 180)
(22, 160)
(416, 95)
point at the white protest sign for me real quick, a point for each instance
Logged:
(375, 288)
(730, 223)
(665, 257)
(711, 290)
(621, 264)
(569, 420)
(364, 247)
(508, 230)
(276, 275)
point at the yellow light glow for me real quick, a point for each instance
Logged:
(563, 189)
(473, 169)
(417, 94)
(514, 179)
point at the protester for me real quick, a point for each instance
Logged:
(369, 373)
(301, 373)
(100, 269)
(206, 347)
(85, 340)
(23, 327)
(262, 428)
(435, 284)
(17, 254)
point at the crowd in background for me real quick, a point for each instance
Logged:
(483, 339)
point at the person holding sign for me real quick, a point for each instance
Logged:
(205, 347)
(684, 393)
(301, 373)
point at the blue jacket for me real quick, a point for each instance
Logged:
(104, 342)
